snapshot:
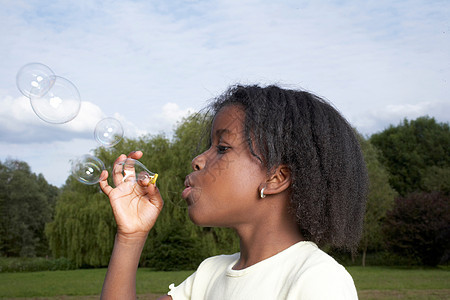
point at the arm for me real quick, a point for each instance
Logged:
(120, 280)
(135, 208)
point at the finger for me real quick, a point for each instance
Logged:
(117, 170)
(121, 158)
(104, 183)
(143, 179)
(135, 154)
(129, 173)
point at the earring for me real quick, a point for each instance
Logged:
(262, 193)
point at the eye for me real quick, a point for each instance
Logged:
(222, 149)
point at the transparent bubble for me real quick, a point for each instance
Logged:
(87, 169)
(133, 171)
(34, 79)
(60, 104)
(108, 132)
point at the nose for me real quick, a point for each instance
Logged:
(198, 162)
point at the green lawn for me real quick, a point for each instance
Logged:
(401, 283)
(371, 282)
(80, 282)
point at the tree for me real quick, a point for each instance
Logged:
(436, 178)
(83, 229)
(412, 147)
(418, 227)
(379, 200)
(26, 204)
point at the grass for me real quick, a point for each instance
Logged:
(80, 282)
(401, 283)
(371, 282)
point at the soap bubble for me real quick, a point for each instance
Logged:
(108, 132)
(133, 171)
(87, 169)
(60, 104)
(34, 79)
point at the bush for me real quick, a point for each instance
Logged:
(174, 249)
(419, 227)
(379, 258)
(22, 264)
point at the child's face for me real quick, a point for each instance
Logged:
(223, 189)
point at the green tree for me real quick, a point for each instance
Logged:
(26, 205)
(83, 229)
(380, 199)
(412, 147)
(436, 179)
(418, 227)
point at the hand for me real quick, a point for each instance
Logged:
(136, 206)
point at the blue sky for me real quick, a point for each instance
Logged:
(148, 63)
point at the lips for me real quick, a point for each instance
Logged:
(188, 188)
(186, 192)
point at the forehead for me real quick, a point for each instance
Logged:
(229, 119)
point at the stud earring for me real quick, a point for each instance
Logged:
(262, 193)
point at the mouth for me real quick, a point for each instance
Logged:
(187, 190)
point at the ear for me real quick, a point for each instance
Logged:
(279, 181)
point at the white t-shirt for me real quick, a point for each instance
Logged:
(302, 271)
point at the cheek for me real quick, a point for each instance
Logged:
(246, 186)
(244, 179)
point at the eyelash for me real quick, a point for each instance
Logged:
(222, 149)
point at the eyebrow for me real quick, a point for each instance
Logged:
(220, 132)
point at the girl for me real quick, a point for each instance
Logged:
(285, 171)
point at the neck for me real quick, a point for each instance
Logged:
(259, 241)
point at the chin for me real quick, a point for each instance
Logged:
(198, 220)
(192, 216)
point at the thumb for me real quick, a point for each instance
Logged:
(155, 196)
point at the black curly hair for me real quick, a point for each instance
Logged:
(303, 131)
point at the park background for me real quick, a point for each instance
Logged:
(151, 64)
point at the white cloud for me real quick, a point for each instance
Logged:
(51, 159)
(378, 120)
(19, 123)
(172, 112)
(89, 115)
(131, 130)
(16, 112)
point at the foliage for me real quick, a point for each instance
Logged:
(380, 198)
(175, 249)
(382, 258)
(418, 226)
(410, 149)
(32, 264)
(436, 179)
(84, 227)
(26, 204)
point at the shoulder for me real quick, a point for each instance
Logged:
(195, 286)
(322, 277)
